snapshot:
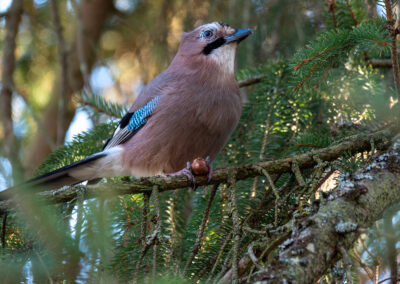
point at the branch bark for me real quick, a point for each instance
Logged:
(315, 243)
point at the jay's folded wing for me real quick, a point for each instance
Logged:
(131, 123)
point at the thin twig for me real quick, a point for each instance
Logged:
(377, 273)
(332, 9)
(3, 230)
(366, 268)
(297, 173)
(143, 230)
(253, 258)
(263, 144)
(313, 57)
(266, 132)
(316, 180)
(276, 193)
(389, 278)
(236, 226)
(380, 63)
(156, 201)
(251, 81)
(200, 232)
(225, 265)
(353, 15)
(395, 59)
(127, 223)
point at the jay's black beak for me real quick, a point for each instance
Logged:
(238, 36)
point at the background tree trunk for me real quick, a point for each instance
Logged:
(94, 16)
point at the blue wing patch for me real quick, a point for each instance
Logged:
(139, 117)
(128, 128)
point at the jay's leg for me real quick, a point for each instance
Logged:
(187, 171)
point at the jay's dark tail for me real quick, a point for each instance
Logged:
(52, 180)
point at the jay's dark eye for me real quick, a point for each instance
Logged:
(208, 34)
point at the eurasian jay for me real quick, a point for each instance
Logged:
(188, 111)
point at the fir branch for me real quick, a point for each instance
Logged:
(313, 70)
(336, 47)
(307, 60)
(83, 145)
(101, 105)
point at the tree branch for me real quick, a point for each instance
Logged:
(353, 144)
(315, 243)
(381, 63)
(251, 81)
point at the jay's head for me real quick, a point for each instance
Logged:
(213, 43)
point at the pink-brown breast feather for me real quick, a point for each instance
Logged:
(194, 118)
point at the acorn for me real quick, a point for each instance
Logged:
(200, 167)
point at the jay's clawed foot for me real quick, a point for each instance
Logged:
(188, 173)
(199, 167)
